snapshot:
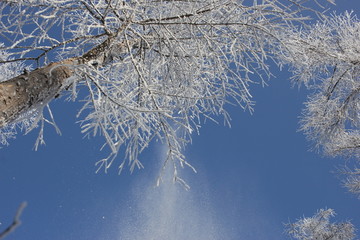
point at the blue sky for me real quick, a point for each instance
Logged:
(252, 178)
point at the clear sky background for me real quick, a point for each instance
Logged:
(252, 178)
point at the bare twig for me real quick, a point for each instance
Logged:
(16, 222)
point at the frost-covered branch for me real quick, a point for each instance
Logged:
(319, 227)
(352, 179)
(326, 58)
(152, 69)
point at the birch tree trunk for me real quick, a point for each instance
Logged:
(40, 86)
(21, 93)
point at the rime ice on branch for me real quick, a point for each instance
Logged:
(152, 69)
(319, 227)
(326, 58)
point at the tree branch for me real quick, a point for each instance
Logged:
(16, 222)
(29, 90)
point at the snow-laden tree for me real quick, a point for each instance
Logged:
(151, 69)
(319, 227)
(326, 58)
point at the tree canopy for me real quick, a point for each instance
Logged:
(150, 69)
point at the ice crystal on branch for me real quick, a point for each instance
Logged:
(152, 69)
(319, 227)
(326, 57)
